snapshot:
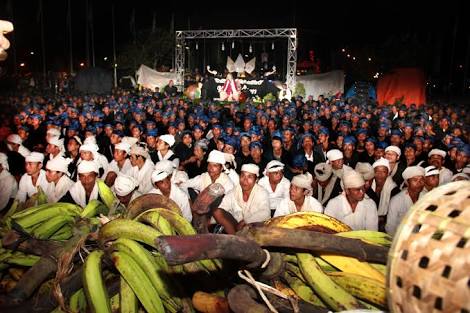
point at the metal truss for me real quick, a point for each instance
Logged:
(289, 33)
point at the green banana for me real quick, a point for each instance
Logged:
(331, 294)
(138, 281)
(18, 258)
(145, 260)
(14, 206)
(94, 208)
(49, 227)
(115, 302)
(77, 302)
(302, 290)
(42, 207)
(156, 220)
(294, 270)
(369, 236)
(181, 225)
(93, 284)
(64, 233)
(123, 228)
(46, 214)
(42, 197)
(128, 302)
(106, 194)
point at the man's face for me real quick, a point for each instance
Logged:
(370, 146)
(52, 149)
(337, 164)
(323, 138)
(87, 179)
(247, 181)
(214, 170)
(461, 158)
(119, 155)
(436, 160)
(256, 153)
(52, 176)
(187, 140)
(151, 141)
(275, 177)
(416, 184)
(296, 193)
(308, 143)
(410, 153)
(164, 185)
(72, 145)
(161, 145)
(86, 155)
(32, 168)
(245, 141)
(432, 180)
(115, 139)
(391, 156)
(348, 148)
(381, 173)
(229, 149)
(356, 194)
(134, 159)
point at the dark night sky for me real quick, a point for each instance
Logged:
(326, 25)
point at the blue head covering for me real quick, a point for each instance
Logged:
(299, 160)
(256, 144)
(382, 145)
(152, 133)
(349, 140)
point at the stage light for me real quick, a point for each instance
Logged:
(105, 59)
(197, 46)
(348, 55)
(22, 64)
(343, 50)
(250, 48)
(187, 48)
(223, 46)
(272, 46)
(32, 53)
(82, 64)
(233, 44)
(369, 59)
(354, 58)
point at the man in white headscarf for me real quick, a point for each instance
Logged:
(86, 188)
(126, 188)
(247, 203)
(164, 144)
(15, 143)
(120, 163)
(142, 168)
(275, 183)
(437, 157)
(177, 177)
(431, 179)
(300, 197)
(57, 176)
(8, 184)
(401, 203)
(396, 168)
(54, 148)
(328, 185)
(89, 152)
(161, 180)
(215, 174)
(352, 207)
(34, 177)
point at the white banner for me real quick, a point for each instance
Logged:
(150, 78)
(327, 84)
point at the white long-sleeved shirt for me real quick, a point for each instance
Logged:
(399, 206)
(201, 182)
(26, 188)
(280, 193)
(445, 176)
(8, 187)
(256, 209)
(180, 198)
(113, 167)
(56, 191)
(364, 217)
(287, 206)
(144, 176)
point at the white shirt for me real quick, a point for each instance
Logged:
(26, 188)
(113, 167)
(280, 193)
(8, 187)
(56, 192)
(143, 176)
(256, 209)
(201, 182)
(364, 217)
(399, 206)
(180, 198)
(445, 176)
(287, 206)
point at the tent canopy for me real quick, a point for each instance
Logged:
(150, 78)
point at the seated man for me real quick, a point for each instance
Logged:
(142, 168)
(86, 188)
(57, 176)
(247, 203)
(275, 183)
(161, 180)
(34, 177)
(326, 188)
(431, 179)
(120, 163)
(126, 189)
(437, 157)
(300, 197)
(8, 184)
(402, 202)
(351, 207)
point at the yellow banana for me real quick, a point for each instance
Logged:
(94, 208)
(93, 284)
(369, 236)
(49, 227)
(362, 287)
(330, 293)
(302, 290)
(144, 259)
(352, 265)
(138, 281)
(380, 267)
(123, 228)
(309, 221)
(106, 194)
(128, 302)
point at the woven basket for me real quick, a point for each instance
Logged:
(429, 261)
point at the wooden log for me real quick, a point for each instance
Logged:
(241, 299)
(315, 241)
(184, 249)
(15, 241)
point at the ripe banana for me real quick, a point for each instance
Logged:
(352, 265)
(330, 293)
(148, 264)
(159, 222)
(49, 227)
(379, 267)
(93, 284)
(361, 287)
(128, 302)
(94, 208)
(123, 228)
(46, 214)
(309, 221)
(106, 194)
(138, 281)
(369, 236)
(302, 290)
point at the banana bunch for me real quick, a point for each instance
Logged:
(9, 257)
(335, 282)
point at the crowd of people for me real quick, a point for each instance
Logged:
(361, 163)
